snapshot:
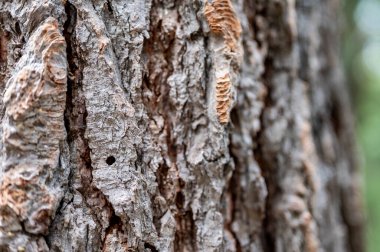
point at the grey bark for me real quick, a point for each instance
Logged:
(111, 140)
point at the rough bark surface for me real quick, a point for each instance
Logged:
(163, 125)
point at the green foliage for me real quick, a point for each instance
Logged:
(362, 62)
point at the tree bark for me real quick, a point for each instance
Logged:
(163, 125)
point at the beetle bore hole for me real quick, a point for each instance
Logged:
(110, 160)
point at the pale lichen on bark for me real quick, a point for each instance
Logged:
(33, 177)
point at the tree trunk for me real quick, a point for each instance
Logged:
(163, 125)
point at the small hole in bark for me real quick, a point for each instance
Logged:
(110, 160)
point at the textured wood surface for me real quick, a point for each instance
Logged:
(163, 125)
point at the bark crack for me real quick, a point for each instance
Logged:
(232, 192)
(75, 122)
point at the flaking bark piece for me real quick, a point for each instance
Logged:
(222, 20)
(33, 131)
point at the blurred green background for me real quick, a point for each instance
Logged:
(361, 51)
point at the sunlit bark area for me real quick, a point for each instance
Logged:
(163, 125)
